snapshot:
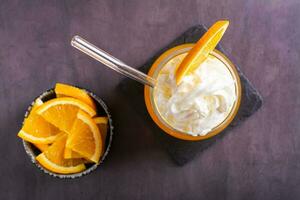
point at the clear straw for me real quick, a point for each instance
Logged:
(111, 62)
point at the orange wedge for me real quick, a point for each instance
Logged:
(102, 125)
(41, 147)
(53, 158)
(61, 112)
(71, 154)
(85, 138)
(44, 147)
(63, 90)
(201, 50)
(36, 129)
(101, 122)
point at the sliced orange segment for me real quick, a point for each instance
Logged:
(44, 147)
(85, 138)
(41, 147)
(61, 112)
(102, 125)
(53, 159)
(201, 50)
(71, 154)
(64, 90)
(101, 122)
(36, 129)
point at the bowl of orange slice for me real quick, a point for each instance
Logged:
(67, 131)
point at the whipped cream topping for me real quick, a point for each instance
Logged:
(201, 101)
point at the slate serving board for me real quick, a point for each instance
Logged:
(181, 152)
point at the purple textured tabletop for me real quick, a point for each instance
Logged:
(259, 160)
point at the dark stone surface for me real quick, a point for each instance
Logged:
(260, 159)
(181, 151)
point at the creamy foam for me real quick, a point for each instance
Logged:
(203, 99)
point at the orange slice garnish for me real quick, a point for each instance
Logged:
(201, 50)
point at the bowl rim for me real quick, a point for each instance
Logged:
(167, 55)
(31, 154)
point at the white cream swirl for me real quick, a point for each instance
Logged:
(203, 99)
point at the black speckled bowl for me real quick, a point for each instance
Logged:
(102, 110)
